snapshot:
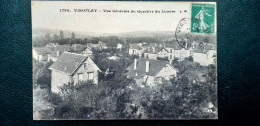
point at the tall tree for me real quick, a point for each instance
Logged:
(61, 35)
(72, 39)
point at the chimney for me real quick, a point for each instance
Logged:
(153, 49)
(147, 66)
(58, 53)
(170, 61)
(135, 63)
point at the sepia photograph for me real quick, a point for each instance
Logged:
(97, 60)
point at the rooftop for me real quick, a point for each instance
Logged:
(68, 62)
(203, 49)
(154, 65)
(153, 49)
(135, 46)
(42, 50)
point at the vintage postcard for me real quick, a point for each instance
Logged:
(97, 60)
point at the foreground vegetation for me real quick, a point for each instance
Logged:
(193, 94)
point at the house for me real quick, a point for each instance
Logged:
(76, 48)
(73, 68)
(204, 55)
(41, 54)
(58, 50)
(102, 45)
(176, 51)
(51, 45)
(135, 49)
(87, 52)
(153, 45)
(119, 46)
(93, 46)
(155, 52)
(148, 71)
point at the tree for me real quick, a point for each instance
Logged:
(61, 35)
(72, 39)
(42, 74)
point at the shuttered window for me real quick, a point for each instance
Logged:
(90, 75)
(80, 77)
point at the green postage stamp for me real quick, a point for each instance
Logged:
(202, 18)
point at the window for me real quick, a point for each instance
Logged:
(85, 65)
(80, 77)
(90, 75)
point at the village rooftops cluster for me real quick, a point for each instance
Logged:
(175, 51)
(143, 66)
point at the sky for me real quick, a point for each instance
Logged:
(47, 15)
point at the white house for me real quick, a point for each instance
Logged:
(73, 68)
(135, 49)
(51, 45)
(41, 54)
(102, 45)
(176, 51)
(155, 52)
(87, 51)
(119, 46)
(148, 71)
(204, 55)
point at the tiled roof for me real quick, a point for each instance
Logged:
(78, 49)
(154, 67)
(60, 49)
(135, 46)
(68, 62)
(41, 51)
(203, 49)
(175, 46)
(153, 50)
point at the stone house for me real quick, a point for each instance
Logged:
(42, 54)
(148, 71)
(73, 68)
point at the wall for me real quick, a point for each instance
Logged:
(162, 53)
(136, 52)
(90, 67)
(58, 79)
(201, 58)
(87, 52)
(150, 56)
(168, 73)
